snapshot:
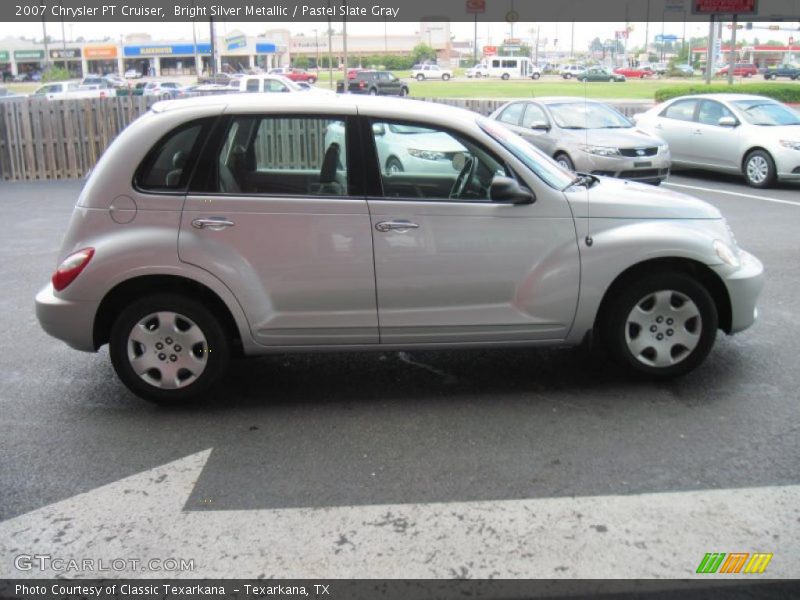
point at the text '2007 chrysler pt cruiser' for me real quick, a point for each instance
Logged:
(241, 225)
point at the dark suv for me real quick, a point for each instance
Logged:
(374, 83)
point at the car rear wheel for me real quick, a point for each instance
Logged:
(504, 77)
(168, 348)
(565, 161)
(373, 92)
(567, 75)
(420, 77)
(759, 169)
(312, 80)
(478, 75)
(404, 91)
(445, 76)
(536, 76)
(611, 80)
(663, 325)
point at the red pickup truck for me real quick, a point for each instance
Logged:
(635, 72)
(295, 74)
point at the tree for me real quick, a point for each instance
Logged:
(423, 52)
(596, 45)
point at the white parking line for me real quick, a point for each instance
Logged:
(631, 536)
(739, 194)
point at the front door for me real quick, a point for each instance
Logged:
(451, 265)
(270, 214)
(715, 145)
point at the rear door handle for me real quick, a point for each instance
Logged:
(212, 223)
(400, 226)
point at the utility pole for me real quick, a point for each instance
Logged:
(732, 57)
(344, 47)
(213, 66)
(475, 42)
(710, 50)
(647, 32)
(46, 51)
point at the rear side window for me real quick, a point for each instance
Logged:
(512, 114)
(682, 110)
(169, 164)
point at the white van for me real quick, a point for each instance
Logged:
(507, 67)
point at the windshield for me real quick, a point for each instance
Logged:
(588, 115)
(533, 158)
(767, 112)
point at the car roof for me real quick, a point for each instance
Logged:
(379, 107)
(724, 97)
(561, 99)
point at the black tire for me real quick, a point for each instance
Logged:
(373, 91)
(216, 349)
(616, 329)
(565, 160)
(536, 76)
(393, 165)
(611, 80)
(312, 80)
(478, 75)
(420, 76)
(445, 76)
(763, 159)
(567, 75)
(504, 77)
(404, 91)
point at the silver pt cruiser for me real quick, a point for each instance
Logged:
(230, 225)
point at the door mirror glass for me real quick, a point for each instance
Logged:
(728, 122)
(507, 189)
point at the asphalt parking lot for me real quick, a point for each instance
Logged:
(341, 437)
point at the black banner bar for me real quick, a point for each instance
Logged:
(277, 11)
(393, 589)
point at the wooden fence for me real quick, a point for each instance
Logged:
(61, 139)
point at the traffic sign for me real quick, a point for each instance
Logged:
(489, 50)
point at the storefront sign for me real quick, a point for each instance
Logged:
(235, 40)
(173, 50)
(3, 55)
(266, 48)
(68, 53)
(725, 7)
(28, 54)
(100, 52)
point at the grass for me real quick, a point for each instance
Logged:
(634, 90)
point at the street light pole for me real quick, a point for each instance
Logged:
(213, 66)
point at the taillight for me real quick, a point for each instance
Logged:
(362, 85)
(71, 267)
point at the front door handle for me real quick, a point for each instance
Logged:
(697, 132)
(212, 223)
(400, 226)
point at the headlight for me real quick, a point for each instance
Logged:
(600, 150)
(726, 253)
(427, 154)
(793, 144)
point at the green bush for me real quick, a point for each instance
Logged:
(783, 93)
(55, 74)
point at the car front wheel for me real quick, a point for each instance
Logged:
(168, 348)
(663, 325)
(759, 169)
(420, 77)
(445, 77)
(536, 76)
(565, 161)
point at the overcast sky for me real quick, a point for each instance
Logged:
(488, 33)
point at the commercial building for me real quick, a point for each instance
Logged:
(762, 55)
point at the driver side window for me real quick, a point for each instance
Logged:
(421, 162)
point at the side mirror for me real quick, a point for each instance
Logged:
(506, 189)
(728, 122)
(378, 129)
(540, 125)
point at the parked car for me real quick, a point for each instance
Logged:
(133, 74)
(587, 136)
(478, 71)
(165, 89)
(570, 71)
(739, 70)
(274, 249)
(734, 133)
(375, 83)
(684, 70)
(658, 68)
(421, 72)
(96, 82)
(600, 74)
(295, 74)
(634, 72)
(6, 94)
(68, 90)
(114, 80)
(275, 83)
(788, 70)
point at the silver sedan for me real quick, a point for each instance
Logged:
(733, 133)
(589, 137)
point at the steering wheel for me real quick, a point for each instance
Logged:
(466, 174)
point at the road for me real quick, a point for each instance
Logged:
(434, 436)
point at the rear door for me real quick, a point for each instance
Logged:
(275, 215)
(452, 266)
